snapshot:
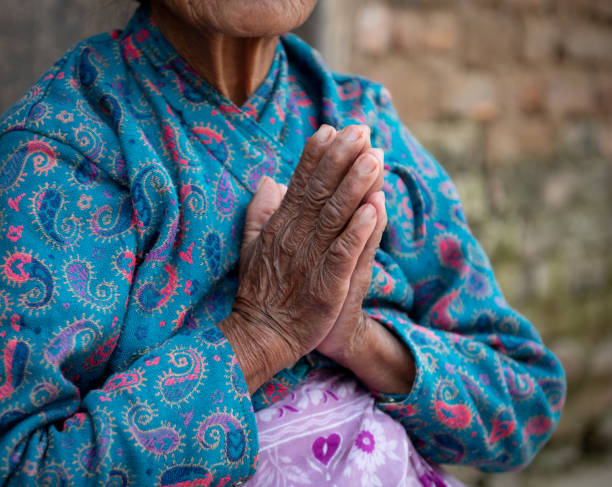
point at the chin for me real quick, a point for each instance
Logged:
(243, 18)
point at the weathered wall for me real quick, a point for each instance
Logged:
(35, 33)
(514, 98)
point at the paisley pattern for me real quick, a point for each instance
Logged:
(124, 180)
(157, 440)
(80, 277)
(179, 384)
(223, 429)
(25, 270)
(47, 205)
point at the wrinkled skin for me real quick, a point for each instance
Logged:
(304, 272)
(242, 18)
(230, 43)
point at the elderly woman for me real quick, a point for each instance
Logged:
(170, 308)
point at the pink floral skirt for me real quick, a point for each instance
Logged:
(328, 431)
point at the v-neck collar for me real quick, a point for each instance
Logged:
(146, 35)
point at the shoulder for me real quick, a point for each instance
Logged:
(66, 98)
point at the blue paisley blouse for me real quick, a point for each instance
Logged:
(124, 179)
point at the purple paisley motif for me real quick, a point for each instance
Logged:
(43, 393)
(161, 250)
(117, 478)
(80, 279)
(226, 195)
(47, 206)
(149, 177)
(158, 441)
(180, 382)
(264, 162)
(89, 142)
(450, 448)
(106, 225)
(93, 455)
(222, 425)
(521, 386)
(22, 267)
(86, 172)
(53, 475)
(555, 392)
(12, 168)
(186, 475)
(212, 253)
(15, 359)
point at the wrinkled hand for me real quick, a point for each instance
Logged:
(348, 335)
(295, 275)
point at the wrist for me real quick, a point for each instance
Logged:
(260, 351)
(382, 361)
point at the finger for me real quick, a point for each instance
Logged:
(347, 197)
(282, 188)
(362, 275)
(378, 183)
(342, 256)
(312, 153)
(334, 165)
(265, 202)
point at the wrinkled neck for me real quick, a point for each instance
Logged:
(235, 66)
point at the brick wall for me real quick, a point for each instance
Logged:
(514, 98)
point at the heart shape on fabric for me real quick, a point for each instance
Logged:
(324, 448)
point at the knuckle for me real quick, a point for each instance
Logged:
(286, 241)
(338, 155)
(340, 250)
(316, 192)
(330, 219)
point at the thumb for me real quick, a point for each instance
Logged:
(265, 202)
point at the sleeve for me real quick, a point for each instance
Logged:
(487, 392)
(178, 415)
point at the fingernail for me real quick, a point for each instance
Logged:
(326, 132)
(353, 133)
(379, 153)
(369, 211)
(366, 165)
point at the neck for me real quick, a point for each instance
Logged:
(235, 66)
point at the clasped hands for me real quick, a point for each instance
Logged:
(307, 256)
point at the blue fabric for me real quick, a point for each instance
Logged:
(124, 179)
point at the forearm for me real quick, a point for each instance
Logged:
(382, 361)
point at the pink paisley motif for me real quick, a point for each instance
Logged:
(501, 429)
(102, 353)
(43, 157)
(9, 270)
(538, 425)
(440, 312)
(450, 253)
(15, 359)
(455, 416)
(170, 140)
(128, 381)
(179, 383)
